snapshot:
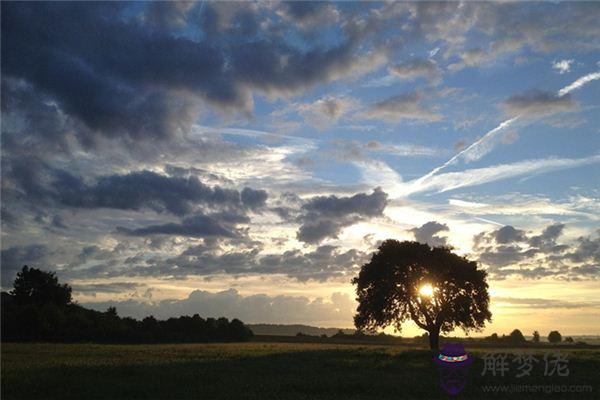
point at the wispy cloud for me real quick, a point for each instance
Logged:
(478, 176)
(378, 173)
(490, 140)
(476, 150)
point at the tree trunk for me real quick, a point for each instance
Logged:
(434, 339)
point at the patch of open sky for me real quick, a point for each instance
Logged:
(408, 167)
(340, 173)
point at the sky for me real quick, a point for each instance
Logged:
(245, 159)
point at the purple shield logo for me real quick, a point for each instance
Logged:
(453, 365)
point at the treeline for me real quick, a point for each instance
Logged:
(517, 337)
(41, 309)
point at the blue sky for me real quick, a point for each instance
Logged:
(244, 159)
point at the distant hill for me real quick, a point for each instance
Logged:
(292, 330)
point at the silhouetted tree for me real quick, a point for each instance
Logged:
(111, 312)
(516, 336)
(536, 337)
(569, 339)
(35, 287)
(388, 289)
(554, 337)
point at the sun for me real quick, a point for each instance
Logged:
(426, 290)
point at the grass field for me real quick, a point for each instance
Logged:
(263, 371)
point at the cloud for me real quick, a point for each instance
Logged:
(326, 110)
(326, 216)
(477, 176)
(513, 252)
(529, 302)
(406, 106)
(309, 14)
(563, 66)
(114, 287)
(14, 258)
(197, 226)
(416, 68)
(515, 205)
(134, 191)
(320, 229)
(537, 104)
(547, 239)
(256, 308)
(475, 151)
(153, 84)
(508, 234)
(253, 199)
(363, 204)
(242, 257)
(470, 58)
(352, 150)
(426, 233)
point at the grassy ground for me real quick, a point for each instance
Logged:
(261, 371)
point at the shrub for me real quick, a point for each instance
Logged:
(554, 337)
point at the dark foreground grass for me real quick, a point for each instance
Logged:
(262, 371)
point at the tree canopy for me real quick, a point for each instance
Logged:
(36, 287)
(433, 287)
(554, 337)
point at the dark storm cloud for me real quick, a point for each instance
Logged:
(427, 233)
(134, 191)
(326, 216)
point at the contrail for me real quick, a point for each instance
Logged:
(579, 83)
(485, 137)
(489, 135)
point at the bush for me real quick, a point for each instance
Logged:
(554, 337)
(516, 336)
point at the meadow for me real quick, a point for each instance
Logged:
(263, 370)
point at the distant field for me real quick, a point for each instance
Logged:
(260, 371)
